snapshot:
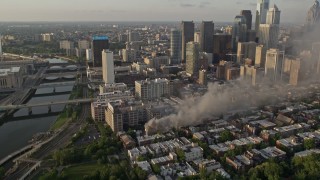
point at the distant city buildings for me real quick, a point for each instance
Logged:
(68, 46)
(47, 37)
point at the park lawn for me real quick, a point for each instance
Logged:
(80, 170)
(61, 120)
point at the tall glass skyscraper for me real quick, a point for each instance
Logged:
(273, 15)
(99, 43)
(175, 46)
(261, 13)
(187, 28)
(239, 31)
(206, 36)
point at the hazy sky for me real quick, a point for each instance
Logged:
(142, 10)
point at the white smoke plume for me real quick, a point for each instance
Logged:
(217, 100)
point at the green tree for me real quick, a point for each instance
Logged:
(309, 144)
(51, 175)
(226, 136)
(180, 154)
(2, 172)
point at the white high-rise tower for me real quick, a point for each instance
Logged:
(108, 67)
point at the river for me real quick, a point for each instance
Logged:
(15, 134)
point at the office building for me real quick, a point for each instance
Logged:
(269, 35)
(99, 43)
(89, 55)
(11, 78)
(222, 69)
(248, 15)
(206, 36)
(122, 113)
(239, 31)
(246, 50)
(316, 56)
(192, 58)
(123, 38)
(232, 73)
(129, 55)
(203, 77)
(105, 88)
(152, 89)
(249, 74)
(274, 65)
(68, 46)
(47, 37)
(251, 36)
(295, 72)
(0, 45)
(187, 30)
(260, 58)
(273, 15)
(157, 61)
(175, 47)
(133, 36)
(261, 13)
(98, 106)
(108, 67)
(197, 37)
(83, 45)
(221, 46)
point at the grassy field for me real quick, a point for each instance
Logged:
(62, 119)
(79, 171)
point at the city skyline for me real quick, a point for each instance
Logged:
(140, 10)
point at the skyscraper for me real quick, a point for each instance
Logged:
(206, 36)
(175, 46)
(133, 36)
(203, 77)
(260, 58)
(192, 58)
(99, 43)
(261, 13)
(316, 56)
(239, 31)
(248, 15)
(295, 72)
(274, 65)
(246, 50)
(0, 45)
(273, 15)
(187, 36)
(269, 35)
(107, 67)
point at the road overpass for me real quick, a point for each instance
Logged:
(74, 101)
